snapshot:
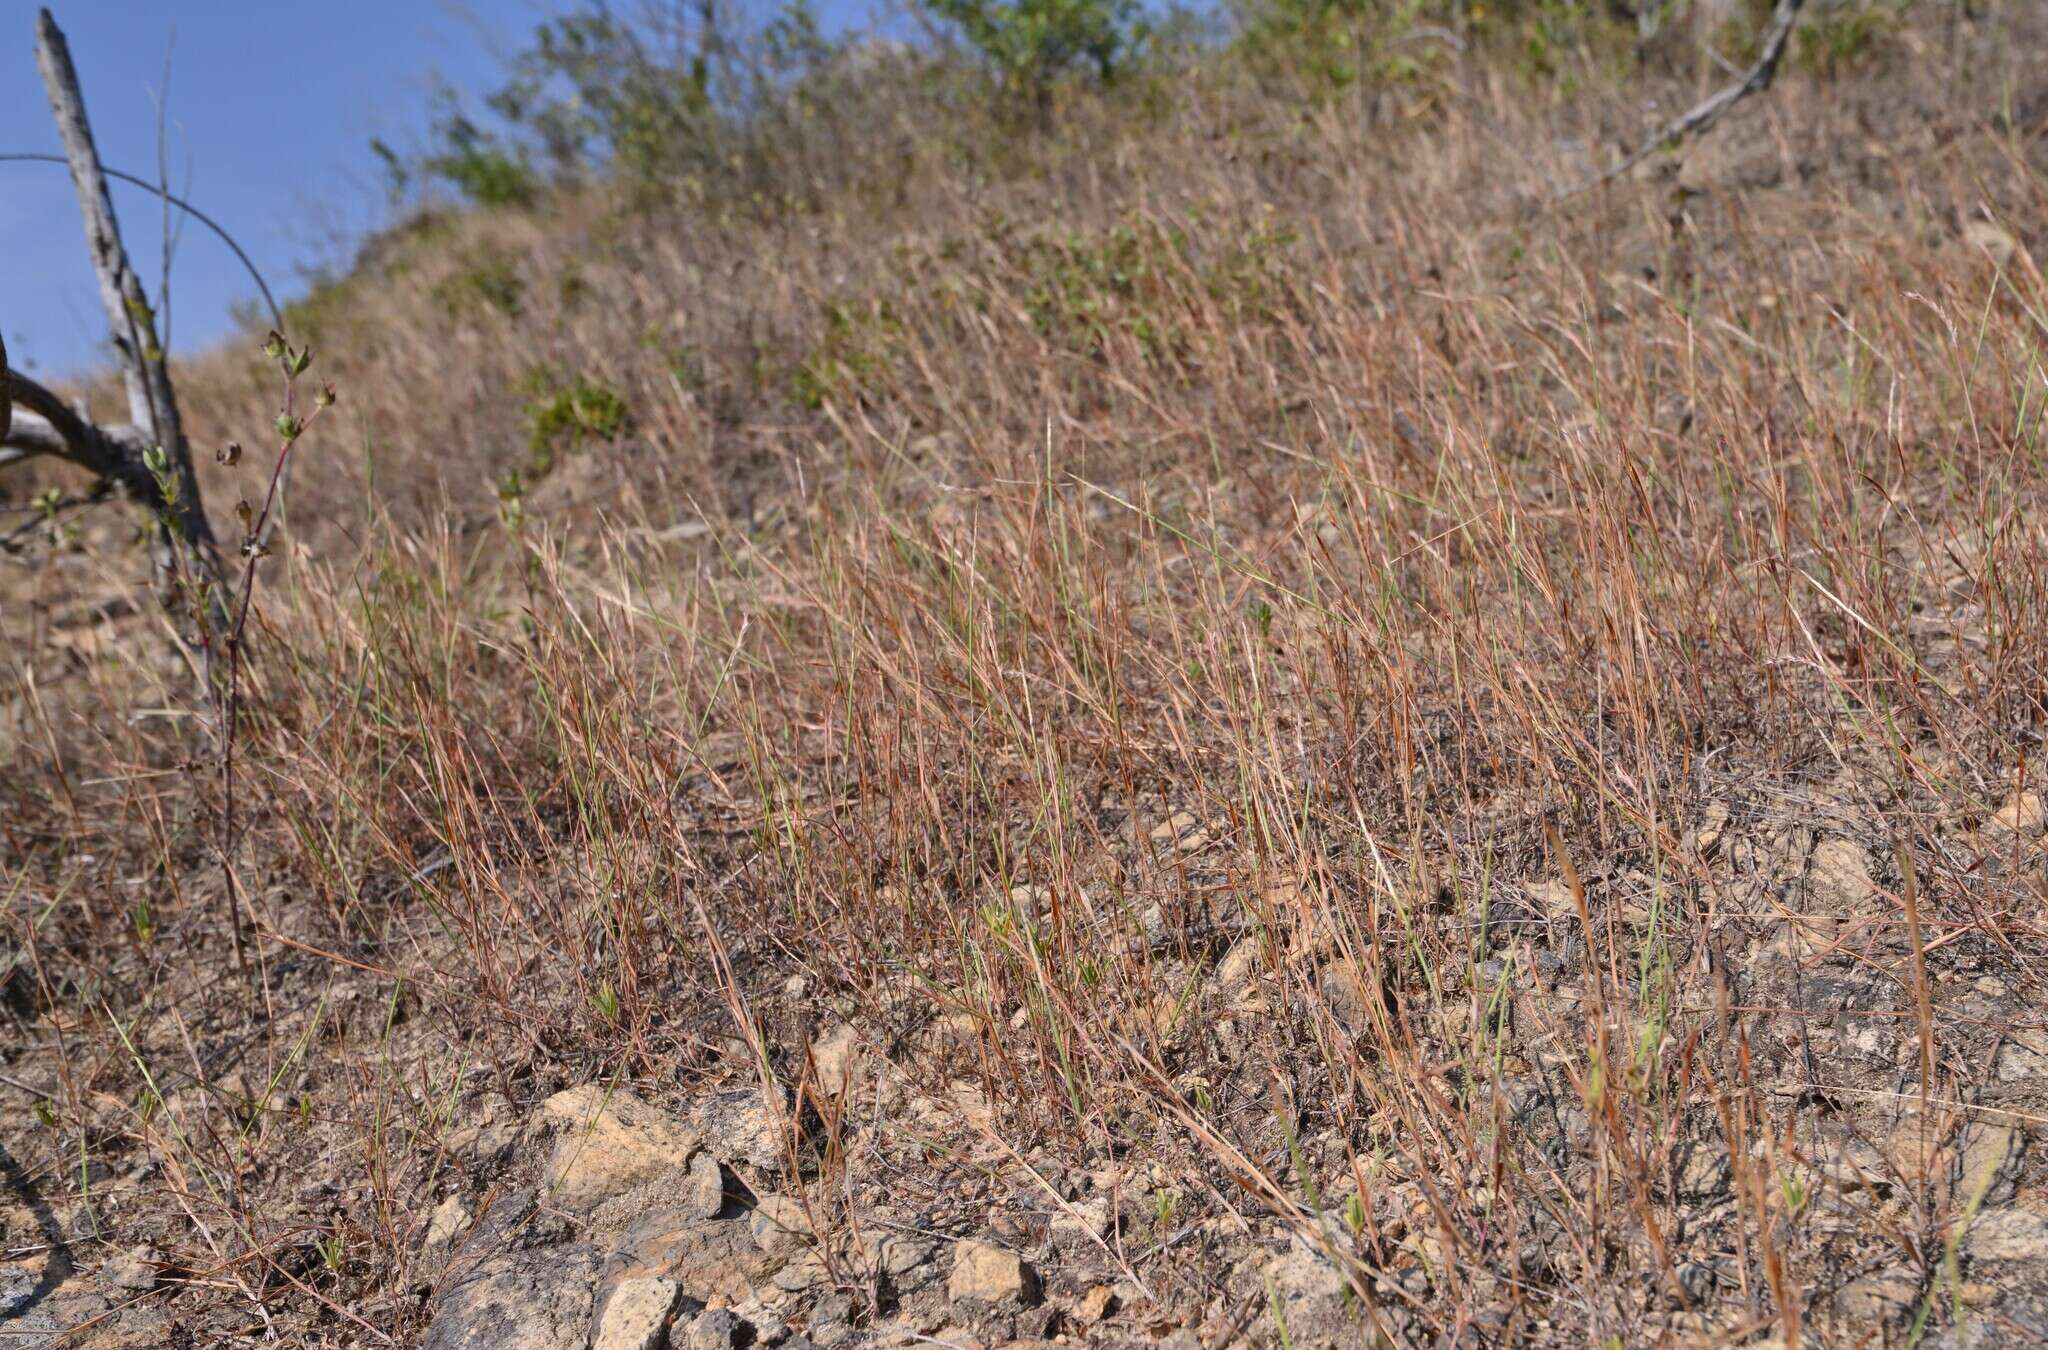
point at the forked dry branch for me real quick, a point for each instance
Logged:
(117, 454)
(1701, 117)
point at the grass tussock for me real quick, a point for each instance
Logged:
(1250, 641)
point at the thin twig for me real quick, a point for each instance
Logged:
(183, 204)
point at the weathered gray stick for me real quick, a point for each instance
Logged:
(1698, 119)
(152, 406)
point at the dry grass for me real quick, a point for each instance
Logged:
(1569, 644)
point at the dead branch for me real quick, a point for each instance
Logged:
(42, 424)
(1701, 117)
(116, 455)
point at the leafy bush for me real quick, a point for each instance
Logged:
(559, 419)
(479, 167)
(1835, 36)
(490, 283)
(1321, 39)
(1031, 44)
(592, 89)
(662, 99)
(854, 357)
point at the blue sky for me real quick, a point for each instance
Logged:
(271, 107)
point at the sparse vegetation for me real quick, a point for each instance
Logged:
(1233, 704)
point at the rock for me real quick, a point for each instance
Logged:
(1079, 1225)
(2024, 1056)
(2021, 814)
(804, 1271)
(2008, 1235)
(1350, 997)
(1878, 1296)
(636, 1317)
(1310, 1293)
(990, 1275)
(714, 1329)
(446, 1223)
(780, 1226)
(1841, 874)
(1239, 965)
(703, 1192)
(715, 1260)
(539, 1299)
(1994, 242)
(1096, 1304)
(1989, 1152)
(135, 1269)
(608, 1143)
(762, 1325)
(837, 1055)
(738, 1128)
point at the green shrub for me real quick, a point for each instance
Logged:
(854, 356)
(1031, 44)
(1085, 288)
(1838, 34)
(491, 284)
(1321, 40)
(477, 166)
(560, 419)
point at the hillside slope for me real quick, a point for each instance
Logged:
(1303, 736)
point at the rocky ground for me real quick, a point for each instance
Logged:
(1289, 738)
(884, 1207)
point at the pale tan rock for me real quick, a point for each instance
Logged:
(2015, 1234)
(1239, 965)
(838, 1055)
(1992, 241)
(1096, 1304)
(446, 1223)
(779, 1226)
(2021, 814)
(1873, 1299)
(608, 1143)
(1841, 874)
(703, 1192)
(987, 1274)
(636, 1316)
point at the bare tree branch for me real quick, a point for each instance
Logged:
(42, 424)
(152, 406)
(1700, 118)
